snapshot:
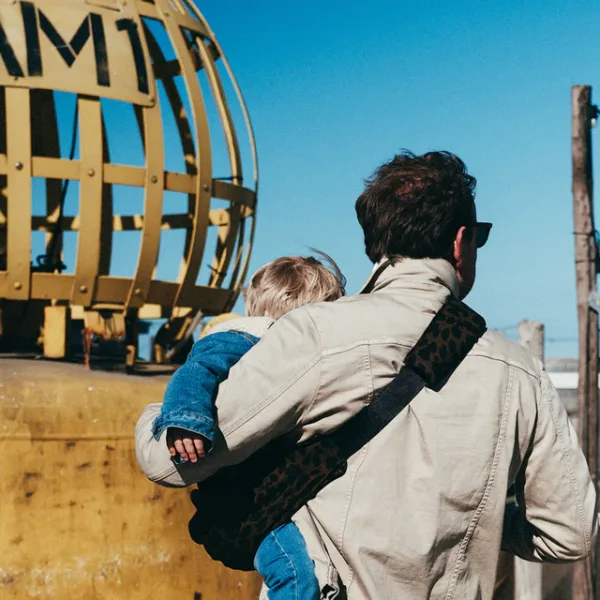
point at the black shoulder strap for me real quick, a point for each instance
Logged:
(368, 287)
(445, 343)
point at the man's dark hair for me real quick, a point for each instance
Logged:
(413, 206)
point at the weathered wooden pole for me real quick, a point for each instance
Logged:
(528, 575)
(585, 272)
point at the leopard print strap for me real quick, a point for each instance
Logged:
(449, 337)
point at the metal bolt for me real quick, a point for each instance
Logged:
(166, 13)
(138, 291)
(154, 179)
(19, 166)
(83, 289)
(17, 285)
(205, 187)
(91, 172)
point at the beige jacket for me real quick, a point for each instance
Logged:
(419, 512)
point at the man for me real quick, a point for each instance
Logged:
(419, 512)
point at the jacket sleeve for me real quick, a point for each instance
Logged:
(153, 455)
(189, 398)
(265, 396)
(556, 516)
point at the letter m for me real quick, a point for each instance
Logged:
(69, 51)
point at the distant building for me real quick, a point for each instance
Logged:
(563, 374)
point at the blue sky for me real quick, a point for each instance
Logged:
(336, 88)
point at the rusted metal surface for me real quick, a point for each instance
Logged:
(79, 520)
(110, 49)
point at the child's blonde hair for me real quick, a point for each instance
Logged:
(292, 281)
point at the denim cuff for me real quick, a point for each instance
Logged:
(190, 421)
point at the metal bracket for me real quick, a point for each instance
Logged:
(593, 114)
(594, 301)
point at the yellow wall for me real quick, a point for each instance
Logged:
(78, 520)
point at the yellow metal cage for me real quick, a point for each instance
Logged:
(160, 60)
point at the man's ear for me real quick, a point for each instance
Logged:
(461, 242)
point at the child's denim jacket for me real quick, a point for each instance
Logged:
(189, 398)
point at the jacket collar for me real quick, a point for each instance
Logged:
(417, 273)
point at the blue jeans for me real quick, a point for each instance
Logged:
(283, 560)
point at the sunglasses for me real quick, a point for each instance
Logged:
(482, 233)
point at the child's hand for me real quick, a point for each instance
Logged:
(187, 444)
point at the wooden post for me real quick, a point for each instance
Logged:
(528, 575)
(585, 272)
(531, 335)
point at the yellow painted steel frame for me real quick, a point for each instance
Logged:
(196, 51)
